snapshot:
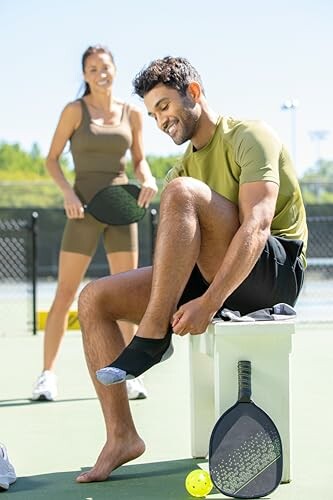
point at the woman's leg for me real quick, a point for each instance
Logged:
(72, 267)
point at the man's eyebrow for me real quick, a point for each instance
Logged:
(157, 104)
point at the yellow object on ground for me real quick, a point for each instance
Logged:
(73, 321)
(198, 483)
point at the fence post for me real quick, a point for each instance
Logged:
(153, 228)
(34, 229)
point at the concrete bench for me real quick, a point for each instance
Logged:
(214, 382)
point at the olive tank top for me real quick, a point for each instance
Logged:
(99, 153)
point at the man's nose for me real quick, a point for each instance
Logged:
(163, 123)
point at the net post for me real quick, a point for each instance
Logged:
(153, 230)
(34, 228)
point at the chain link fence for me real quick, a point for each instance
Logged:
(29, 249)
(18, 275)
(315, 303)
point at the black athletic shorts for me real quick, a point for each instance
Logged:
(276, 277)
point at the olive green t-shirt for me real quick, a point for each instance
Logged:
(249, 151)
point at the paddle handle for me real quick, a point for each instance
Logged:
(244, 381)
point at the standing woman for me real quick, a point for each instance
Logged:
(101, 129)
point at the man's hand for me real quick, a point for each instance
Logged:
(193, 317)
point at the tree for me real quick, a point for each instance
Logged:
(322, 171)
(317, 183)
(17, 164)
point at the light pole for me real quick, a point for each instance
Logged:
(291, 105)
(318, 136)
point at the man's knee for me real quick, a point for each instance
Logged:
(87, 301)
(182, 189)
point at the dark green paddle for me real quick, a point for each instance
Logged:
(116, 205)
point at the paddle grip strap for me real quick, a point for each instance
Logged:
(244, 381)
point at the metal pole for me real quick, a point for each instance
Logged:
(153, 226)
(34, 227)
(318, 136)
(293, 134)
(291, 105)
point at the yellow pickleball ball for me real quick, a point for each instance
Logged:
(198, 483)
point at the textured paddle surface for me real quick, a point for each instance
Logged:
(117, 205)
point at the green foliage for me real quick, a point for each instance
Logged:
(35, 194)
(25, 182)
(322, 171)
(317, 183)
(17, 164)
(159, 165)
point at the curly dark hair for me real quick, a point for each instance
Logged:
(174, 72)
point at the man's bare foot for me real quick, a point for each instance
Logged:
(112, 456)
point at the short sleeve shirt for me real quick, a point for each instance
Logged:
(248, 151)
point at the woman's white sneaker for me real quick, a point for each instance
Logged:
(136, 388)
(7, 471)
(46, 387)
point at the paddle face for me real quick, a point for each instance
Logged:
(245, 451)
(117, 205)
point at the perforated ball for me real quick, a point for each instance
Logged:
(198, 483)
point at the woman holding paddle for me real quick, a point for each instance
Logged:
(101, 130)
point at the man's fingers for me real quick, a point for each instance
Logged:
(176, 318)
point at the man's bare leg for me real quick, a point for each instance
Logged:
(196, 225)
(101, 304)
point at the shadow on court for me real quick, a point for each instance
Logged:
(158, 481)
(24, 402)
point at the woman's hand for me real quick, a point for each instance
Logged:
(73, 206)
(148, 191)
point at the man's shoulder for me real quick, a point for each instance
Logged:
(231, 125)
(244, 131)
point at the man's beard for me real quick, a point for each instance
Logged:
(188, 124)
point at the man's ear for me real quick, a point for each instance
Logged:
(194, 90)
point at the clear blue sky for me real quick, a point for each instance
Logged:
(252, 56)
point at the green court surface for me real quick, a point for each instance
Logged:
(160, 480)
(51, 443)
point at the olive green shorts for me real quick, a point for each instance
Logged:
(82, 236)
